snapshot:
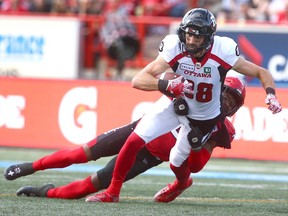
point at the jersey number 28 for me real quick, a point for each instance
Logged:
(203, 92)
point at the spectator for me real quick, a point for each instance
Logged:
(283, 15)
(118, 35)
(91, 6)
(244, 10)
(276, 8)
(175, 8)
(214, 6)
(60, 7)
(41, 6)
(128, 7)
(258, 10)
(15, 5)
(233, 10)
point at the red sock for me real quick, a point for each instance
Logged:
(60, 159)
(197, 160)
(124, 162)
(74, 190)
(182, 173)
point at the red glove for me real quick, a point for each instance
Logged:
(273, 103)
(175, 87)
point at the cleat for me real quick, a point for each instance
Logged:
(102, 197)
(171, 192)
(18, 170)
(30, 191)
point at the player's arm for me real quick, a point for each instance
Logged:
(147, 79)
(248, 68)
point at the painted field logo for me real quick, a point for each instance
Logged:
(207, 70)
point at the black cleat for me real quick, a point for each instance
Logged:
(18, 170)
(31, 191)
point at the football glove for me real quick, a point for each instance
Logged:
(175, 87)
(273, 104)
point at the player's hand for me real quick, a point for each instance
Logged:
(195, 138)
(175, 87)
(273, 103)
(188, 90)
(180, 106)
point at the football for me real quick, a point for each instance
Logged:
(168, 75)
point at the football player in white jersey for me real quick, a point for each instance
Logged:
(203, 60)
(110, 143)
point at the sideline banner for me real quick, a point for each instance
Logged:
(254, 43)
(39, 46)
(54, 114)
(62, 113)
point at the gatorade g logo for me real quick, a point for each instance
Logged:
(77, 116)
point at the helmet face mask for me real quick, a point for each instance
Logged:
(199, 22)
(237, 90)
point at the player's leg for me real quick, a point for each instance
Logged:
(173, 190)
(58, 159)
(91, 184)
(144, 161)
(73, 190)
(111, 142)
(179, 165)
(161, 119)
(195, 162)
(106, 144)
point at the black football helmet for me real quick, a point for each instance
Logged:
(198, 21)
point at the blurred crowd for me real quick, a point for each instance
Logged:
(266, 11)
(132, 7)
(275, 11)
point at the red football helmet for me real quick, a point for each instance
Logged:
(237, 88)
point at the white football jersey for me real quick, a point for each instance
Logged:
(207, 76)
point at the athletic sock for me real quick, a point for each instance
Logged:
(124, 162)
(60, 159)
(182, 174)
(197, 160)
(74, 190)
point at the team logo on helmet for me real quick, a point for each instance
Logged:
(237, 51)
(161, 46)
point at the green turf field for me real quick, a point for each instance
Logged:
(224, 187)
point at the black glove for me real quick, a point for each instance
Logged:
(195, 138)
(180, 106)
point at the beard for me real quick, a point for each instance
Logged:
(196, 51)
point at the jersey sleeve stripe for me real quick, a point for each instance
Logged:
(225, 65)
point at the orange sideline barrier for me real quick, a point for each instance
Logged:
(57, 114)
